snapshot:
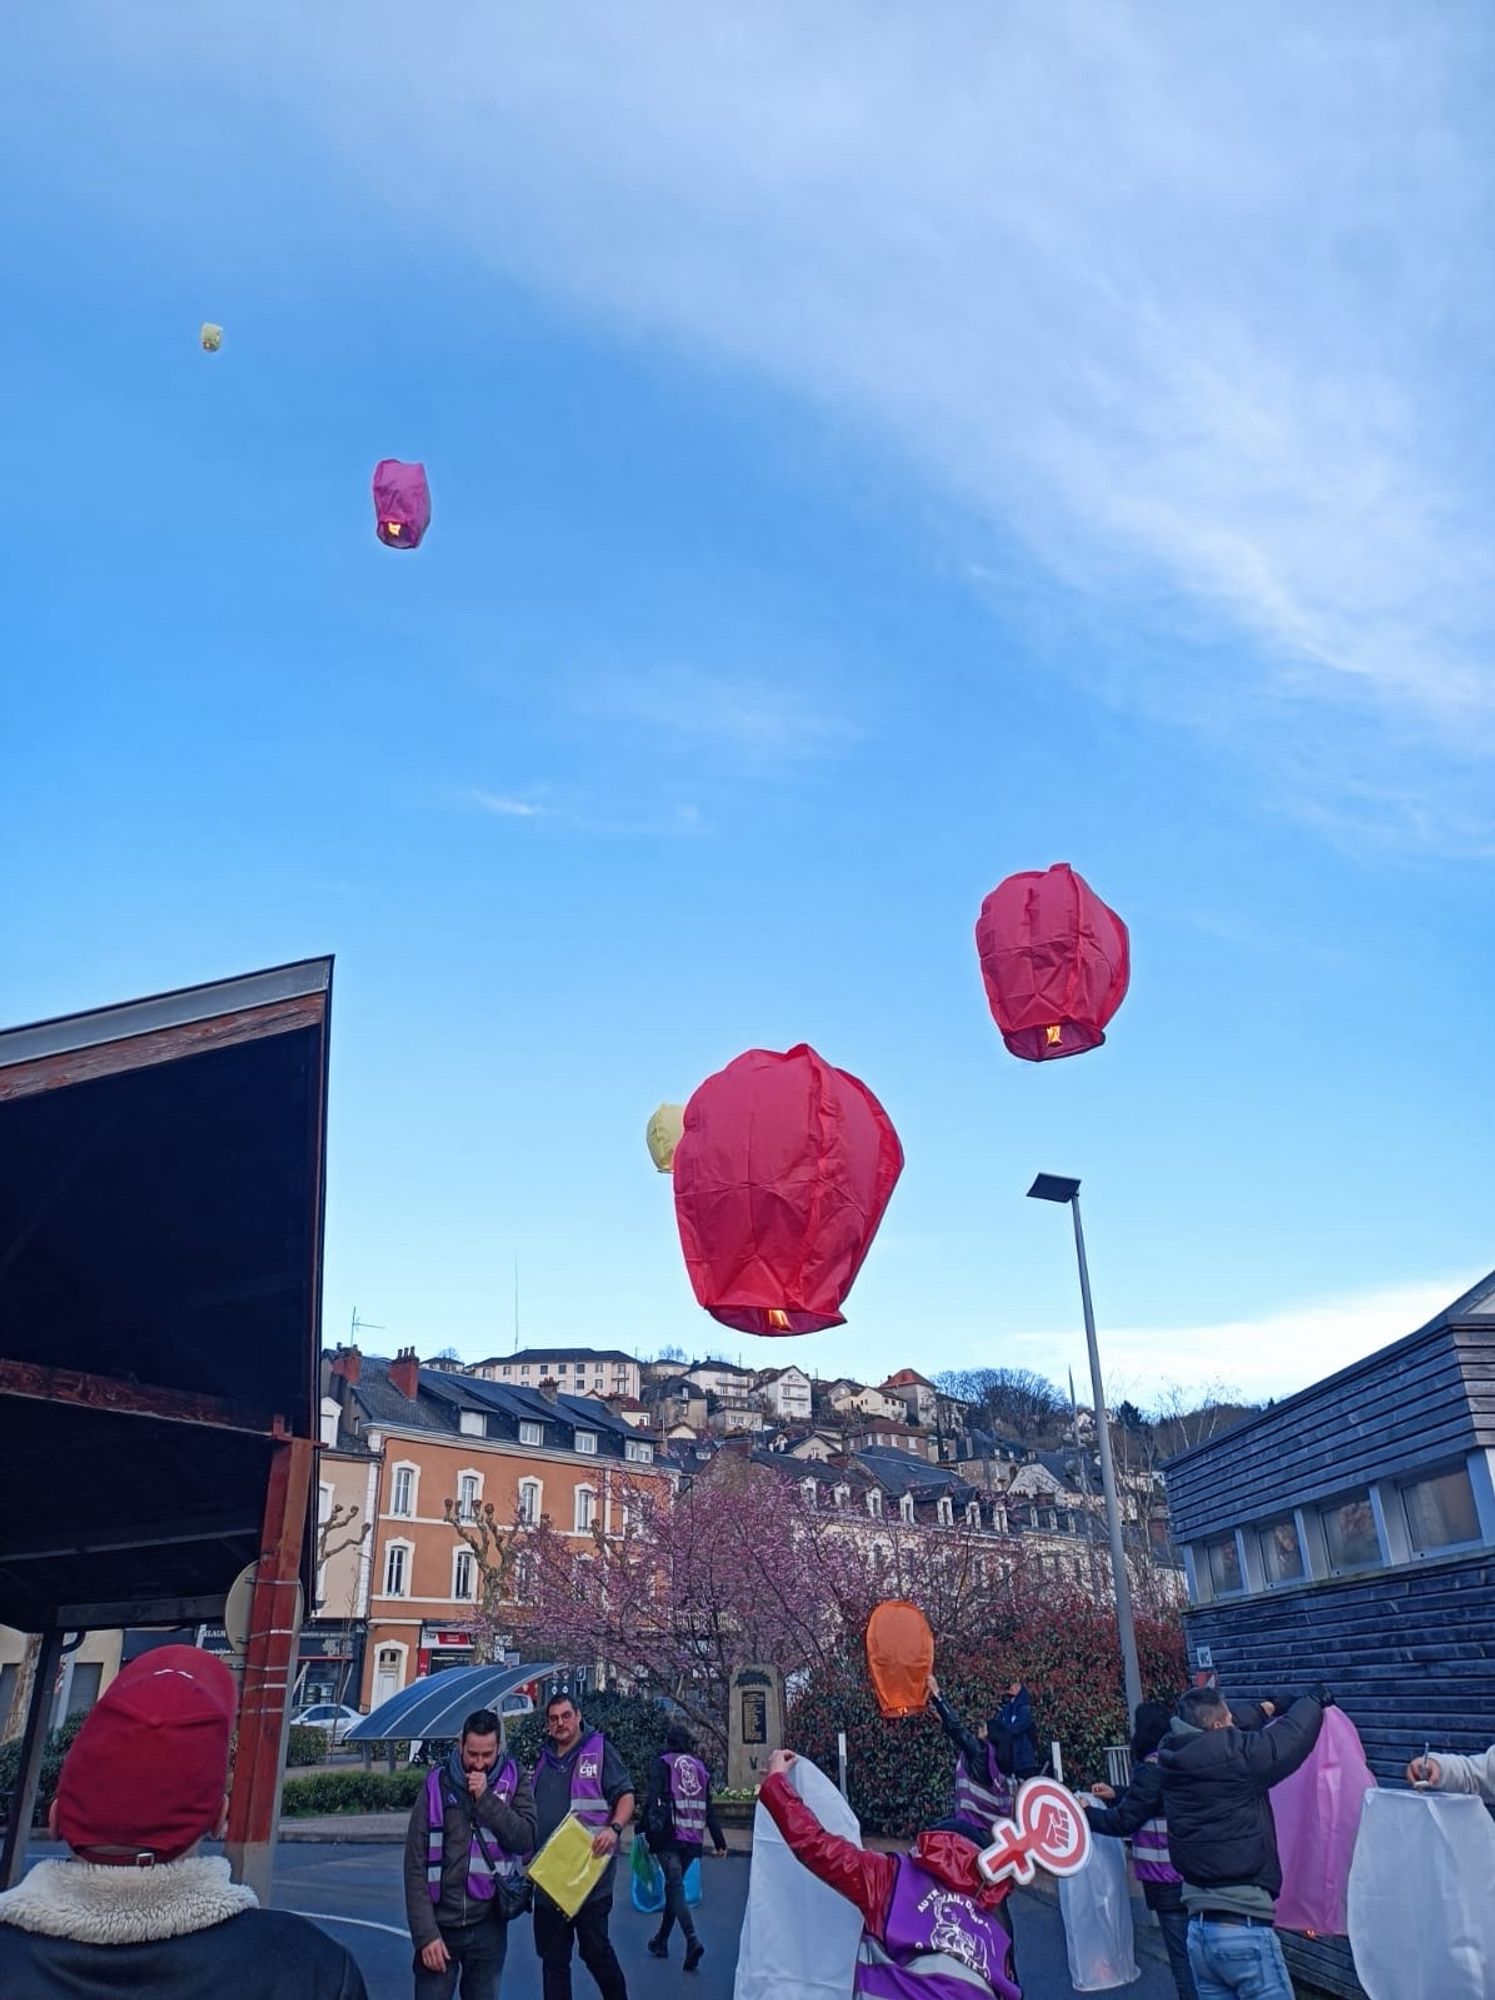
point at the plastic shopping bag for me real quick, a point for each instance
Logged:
(1317, 1811)
(799, 1938)
(1421, 1912)
(693, 1884)
(566, 1868)
(646, 1880)
(1096, 1906)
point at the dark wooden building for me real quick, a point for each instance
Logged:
(1348, 1535)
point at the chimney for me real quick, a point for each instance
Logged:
(550, 1389)
(404, 1373)
(348, 1363)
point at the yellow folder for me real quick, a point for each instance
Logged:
(566, 1868)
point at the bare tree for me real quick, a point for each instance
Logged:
(1016, 1402)
(495, 1551)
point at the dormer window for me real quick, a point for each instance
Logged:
(532, 1434)
(906, 1507)
(874, 1504)
(586, 1443)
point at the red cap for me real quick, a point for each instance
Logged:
(148, 1770)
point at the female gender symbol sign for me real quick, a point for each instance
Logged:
(1047, 1830)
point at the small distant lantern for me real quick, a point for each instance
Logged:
(211, 337)
(782, 1174)
(1055, 960)
(662, 1135)
(402, 503)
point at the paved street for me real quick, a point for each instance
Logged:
(354, 1891)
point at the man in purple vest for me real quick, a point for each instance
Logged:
(472, 1823)
(931, 1923)
(580, 1772)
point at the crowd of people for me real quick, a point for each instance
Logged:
(137, 1907)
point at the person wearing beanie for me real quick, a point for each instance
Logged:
(136, 1908)
(1138, 1816)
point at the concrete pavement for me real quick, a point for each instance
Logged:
(353, 1890)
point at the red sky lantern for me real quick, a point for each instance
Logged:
(1055, 960)
(781, 1177)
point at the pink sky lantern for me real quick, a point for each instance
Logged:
(402, 503)
(1056, 962)
(781, 1177)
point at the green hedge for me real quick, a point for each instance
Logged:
(899, 1774)
(56, 1748)
(350, 1792)
(308, 1746)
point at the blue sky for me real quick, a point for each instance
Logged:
(872, 451)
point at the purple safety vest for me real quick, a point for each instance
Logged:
(487, 1858)
(588, 1800)
(981, 1799)
(690, 1787)
(937, 1945)
(1150, 1847)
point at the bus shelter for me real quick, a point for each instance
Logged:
(162, 1166)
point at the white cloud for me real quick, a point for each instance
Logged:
(1191, 300)
(504, 808)
(1271, 1355)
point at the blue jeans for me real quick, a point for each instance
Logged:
(1237, 1962)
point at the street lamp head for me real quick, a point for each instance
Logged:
(1053, 1187)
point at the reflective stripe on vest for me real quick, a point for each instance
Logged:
(937, 1945)
(487, 1859)
(978, 1801)
(1150, 1847)
(690, 1785)
(588, 1800)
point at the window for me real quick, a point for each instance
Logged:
(397, 1570)
(586, 1509)
(1441, 1513)
(529, 1502)
(560, 1368)
(1350, 1533)
(472, 1423)
(462, 1572)
(840, 1495)
(468, 1484)
(1223, 1556)
(402, 1501)
(641, 1454)
(946, 1513)
(906, 1507)
(973, 1513)
(508, 1370)
(874, 1504)
(532, 1433)
(1281, 1551)
(586, 1443)
(810, 1491)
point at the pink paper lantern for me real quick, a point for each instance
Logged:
(402, 503)
(1055, 960)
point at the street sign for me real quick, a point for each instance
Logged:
(239, 1604)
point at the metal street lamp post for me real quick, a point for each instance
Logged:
(1057, 1188)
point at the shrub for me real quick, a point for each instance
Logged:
(634, 1724)
(307, 1746)
(350, 1792)
(57, 1746)
(899, 1774)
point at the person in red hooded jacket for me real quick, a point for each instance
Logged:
(930, 1919)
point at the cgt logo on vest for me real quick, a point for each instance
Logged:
(1048, 1830)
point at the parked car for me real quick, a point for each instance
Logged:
(335, 1717)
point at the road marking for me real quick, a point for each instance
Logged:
(363, 1923)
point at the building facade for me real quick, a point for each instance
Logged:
(576, 1371)
(1347, 1535)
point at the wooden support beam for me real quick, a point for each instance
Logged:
(269, 1668)
(38, 1384)
(220, 1031)
(28, 1777)
(96, 1541)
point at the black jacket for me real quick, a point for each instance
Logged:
(1141, 1801)
(511, 1826)
(1215, 1785)
(659, 1816)
(187, 1931)
(1015, 1738)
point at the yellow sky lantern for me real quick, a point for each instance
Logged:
(663, 1135)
